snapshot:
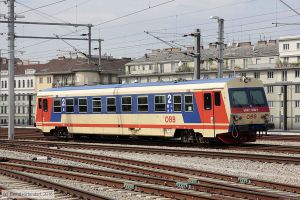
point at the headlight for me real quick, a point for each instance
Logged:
(236, 117)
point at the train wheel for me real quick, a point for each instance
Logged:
(61, 133)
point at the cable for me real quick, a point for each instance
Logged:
(32, 9)
(287, 5)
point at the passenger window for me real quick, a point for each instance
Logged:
(82, 105)
(45, 105)
(57, 106)
(177, 101)
(207, 101)
(142, 104)
(189, 105)
(69, 105)
(126, 104)
(217, 98)
(97, 108)
(111, 104)
(40, 104)
(160, 103)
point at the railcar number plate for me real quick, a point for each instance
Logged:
(170, 119)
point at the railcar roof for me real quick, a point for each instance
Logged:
(202, 81)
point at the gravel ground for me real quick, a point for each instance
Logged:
(285, 143)
(281, 173)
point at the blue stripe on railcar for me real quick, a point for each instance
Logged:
(202, 81)
(188, 117)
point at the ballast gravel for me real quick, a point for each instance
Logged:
(281, 173)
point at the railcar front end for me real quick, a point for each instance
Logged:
(249, 112)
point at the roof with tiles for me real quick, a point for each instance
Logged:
(67, 65)
(64, 65)
(261, 50)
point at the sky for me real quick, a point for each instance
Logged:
(122, 24)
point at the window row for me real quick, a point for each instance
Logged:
(161, 104)
(18, 84)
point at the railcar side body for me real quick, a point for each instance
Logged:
(228, 110)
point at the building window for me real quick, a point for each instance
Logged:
(232, 64)
(126, 104)
(271, 104)
(177, 103)
(111, 104)
(297, 73)
(57, 106)
(257, 61)
(271, 60)
(96, 102)
(41, 80)
(19, 84)
(28, 83)
(31, 83)
(297, 104)
(160, 103)
(270, 74)
(284, 75)
(230, 75)
(297, 118)
(286, 60)
(256, 75)
(244, 74)
(297, 88)
(245, 63)
(286, 46)
(298, 45)
(270, 89)
(23, 83)
(82, 105)
(70, 105)
(298, 59)
(142, 104)
(49, 79)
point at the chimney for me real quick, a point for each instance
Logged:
(272, 41)
(190, 48)
(146, 56)
(261, 42)
(212, 45)
(244, 44)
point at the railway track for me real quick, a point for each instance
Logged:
(167, 172)
(181, 152)
(289, 138)
(12, 180)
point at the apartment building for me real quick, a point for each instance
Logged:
(74, 72)
(24, 89)
(274, 62)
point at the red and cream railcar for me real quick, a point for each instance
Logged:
(228, 110)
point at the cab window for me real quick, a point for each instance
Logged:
(207, 101)
(45, 105)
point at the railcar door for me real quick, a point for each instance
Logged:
(208, 119)
(42, 111)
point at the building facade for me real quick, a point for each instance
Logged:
(266, 61)
(24, 94)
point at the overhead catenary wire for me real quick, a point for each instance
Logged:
(44, 6)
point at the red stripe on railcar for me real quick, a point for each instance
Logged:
(250, 110)
(138, 126)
